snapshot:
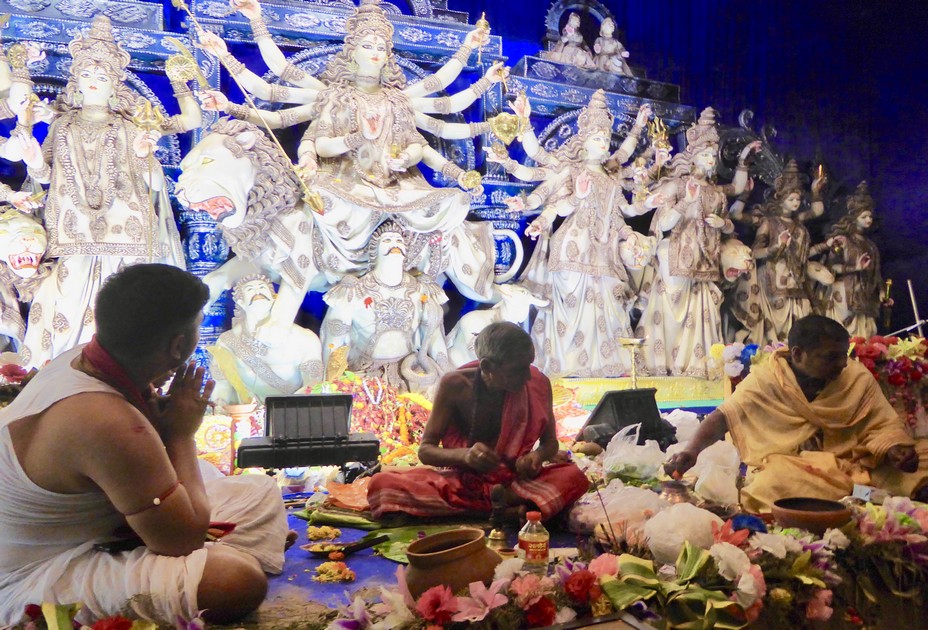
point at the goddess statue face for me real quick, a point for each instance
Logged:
(255, 297)
(371, 55)
(791, 203)
(864, 221)
(596, 145)
(705, 160)
(22, 244)
(607, 28)
(95, 84)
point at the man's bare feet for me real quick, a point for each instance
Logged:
(291, 539)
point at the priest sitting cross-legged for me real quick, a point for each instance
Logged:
(486, 418)
(813, 424)
(89, 448)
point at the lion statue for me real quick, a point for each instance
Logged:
(239, 177)
(22, 247)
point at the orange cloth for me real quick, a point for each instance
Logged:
(769, 419)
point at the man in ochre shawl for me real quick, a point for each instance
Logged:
(485, 422)
(813, 424)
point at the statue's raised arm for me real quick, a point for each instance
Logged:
(527, 137)
(214, 45)
(270, 53)
(463, 99)
(445, 75)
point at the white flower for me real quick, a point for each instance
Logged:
(731, 561)
(508, 569)
(734, 368)
(793, 545)
(565, 615)
(746, 594)
(732, 352)
(774, 544)
(835, 539)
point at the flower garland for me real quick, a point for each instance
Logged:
(899, 366)
(397, 419)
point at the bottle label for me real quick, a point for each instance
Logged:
(535, 550)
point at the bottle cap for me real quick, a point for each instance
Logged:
(533, 516)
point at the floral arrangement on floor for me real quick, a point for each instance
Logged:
(899, 365)
(396, 418)
(61, 617)
(13, 377)
(735, 359)
(742, 572)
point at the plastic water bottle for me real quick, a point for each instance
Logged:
(534, 541)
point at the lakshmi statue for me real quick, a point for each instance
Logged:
(781, 249)
(610, 53)
(855, 296)
(245, 367)
(571, 48)
(579, 267)
(362, 148)
(390, 320)
(681, 318)
(107, 203)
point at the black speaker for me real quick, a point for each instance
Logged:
(619, 409)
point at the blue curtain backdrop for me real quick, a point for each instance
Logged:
(846, 81)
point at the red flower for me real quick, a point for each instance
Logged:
(870, 364)
(579, 584)
(726, 533)
(112, 623)
(868, 351)
(437, 604)
(33, 611)
(368, 301)
(13, 373)
(915, 374)
(541, 613)
(896, 379)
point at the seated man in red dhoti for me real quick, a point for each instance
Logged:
(485, 422)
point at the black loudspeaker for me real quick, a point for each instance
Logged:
(619, 409)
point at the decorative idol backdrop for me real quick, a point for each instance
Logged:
(838, 85)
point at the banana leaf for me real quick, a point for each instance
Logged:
(623, 594)
(690, 562)
(696, 608)
(340, 519)
(401, 537)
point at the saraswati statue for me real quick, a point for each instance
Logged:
(362, 147)
(107, 204)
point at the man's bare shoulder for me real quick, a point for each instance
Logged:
(459, 381)
(99, 416)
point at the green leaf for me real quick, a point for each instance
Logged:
(802, 562)
(401, 537)
(691, 561)
(622, 595)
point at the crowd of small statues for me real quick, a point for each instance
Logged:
(355, 219)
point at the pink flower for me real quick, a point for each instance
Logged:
(819, 607)
(481, 601)
(437, 604)
(606, 564)
(529, 588)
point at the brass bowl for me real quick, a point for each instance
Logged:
(814, 515)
